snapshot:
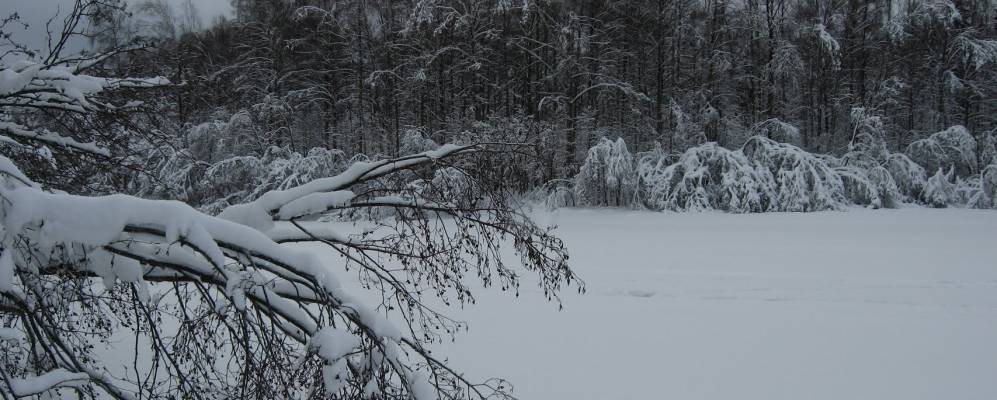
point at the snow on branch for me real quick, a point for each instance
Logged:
(973, 51)
(34, 385)
(59, 86)
(260, 212)
(303, 323)
(48, 137)
(828, 44)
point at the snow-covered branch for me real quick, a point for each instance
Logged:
(59, 85)
(241, 271)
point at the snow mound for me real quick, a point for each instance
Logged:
(951, 148)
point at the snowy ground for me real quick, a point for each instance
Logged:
(886, 304)
(878, 305)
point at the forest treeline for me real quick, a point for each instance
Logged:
(357, 77)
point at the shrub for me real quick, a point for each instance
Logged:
(953, 148)
(608, 176)
(909, 177)
(706, 177)
(804, 181)
(940, 191)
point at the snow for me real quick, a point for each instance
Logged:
(378, 324)
(291, 233)
(57, 87)
(315, 202)
(10, 334)
(17, 77)
(6, 271)
(335, 376)
(42, 135)
(256, 214)
(49, 380)
(862, 304)
(332, 344)
(829, 44)
(250, 214)
(100, 221)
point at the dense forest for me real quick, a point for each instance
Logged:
(377, 78)
(357, 75)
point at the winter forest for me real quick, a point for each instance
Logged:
(325, 199)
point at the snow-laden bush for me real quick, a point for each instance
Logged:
(766, 175)
(804, 181)
(213, 186)
(880, 183)
(874, 187)
(227, 181)
(288, 169)
(203, 140)
(239, 136)
(887, 189)
(413, 141)
(778, 130)
(978, 191)
(451, 185)
(966, 191)
(250, 132)
(171, 174)
(687, 127)
(559, 193)
(867, 147)
(224, 137)
(607, 178)
(953, 148)
(706, 177)
(988, 148)
(909, 177)
(940, 191)
(987, 196)
(895, 176)
(858, 188)
(271, 119)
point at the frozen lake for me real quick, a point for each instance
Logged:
(884, 304)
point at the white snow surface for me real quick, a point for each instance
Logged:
(863, 304)
(315, 202)
(53, 379)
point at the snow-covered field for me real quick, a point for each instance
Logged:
(885, 304)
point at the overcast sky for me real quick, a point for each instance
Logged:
(36, 12)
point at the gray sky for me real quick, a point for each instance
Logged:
(36, 12)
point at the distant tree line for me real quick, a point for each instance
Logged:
(357, 75)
